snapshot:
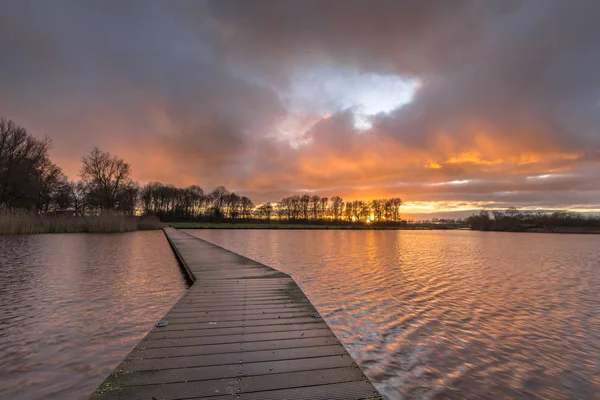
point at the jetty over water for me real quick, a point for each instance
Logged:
(242, 331)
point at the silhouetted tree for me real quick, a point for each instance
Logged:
(481, 221)
(265, 211)
(377, 209)
(28, 178)
(304, 205)
(391, 209)
(232, 205)
(315, 207)
(337, 207)
(218, 199)
(361, 211)
(197, 199)
(349, 211)
(49, 180)
(323, 210)
(107, 182)
(246, 207)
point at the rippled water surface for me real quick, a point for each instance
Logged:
(450, 314)
(72, 306)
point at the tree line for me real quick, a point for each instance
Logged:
(29, 180)
(316, 208)
(192, 203)
(516, 220)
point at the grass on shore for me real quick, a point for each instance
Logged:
(18, 222)
(276, 225)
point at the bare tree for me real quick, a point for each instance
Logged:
(63, 197)
(218, 198)
(107, 182)
(361, 211)
(265, 211)
(337, 207)
(304, 204)
(233, 203)
(22, 159)
(246, 207)
(197, 199)
(49, 180)
(349, 211)
(284, 208)
(315, 203)
(323, 210)
(377, 208)
(391, 209)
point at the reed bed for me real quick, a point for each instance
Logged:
(18, 222)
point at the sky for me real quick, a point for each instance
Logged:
(450, 105)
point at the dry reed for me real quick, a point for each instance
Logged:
(20, 222)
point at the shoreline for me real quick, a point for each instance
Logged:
(277, 226)
(433, 227)
(561, 230)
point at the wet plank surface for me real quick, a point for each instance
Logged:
(242, 331)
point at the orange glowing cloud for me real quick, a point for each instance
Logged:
(472, 157)
(433, 165)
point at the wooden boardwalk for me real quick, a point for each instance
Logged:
(242, 331)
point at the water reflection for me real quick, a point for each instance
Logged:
(458, 314)
(73, 305)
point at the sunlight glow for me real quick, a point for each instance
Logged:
(457, 182)
(380, 94)
(472, 157)
(362, 122)
(547, 176)
(427, 207)
(433, 165)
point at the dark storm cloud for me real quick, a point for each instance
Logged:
(200, 90)
(124, 75)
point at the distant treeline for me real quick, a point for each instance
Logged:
(30, 181)
(514, 220)
(192, 203)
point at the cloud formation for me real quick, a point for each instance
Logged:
(465, 103)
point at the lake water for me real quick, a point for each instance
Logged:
(73, 305)
(428, 314)
(450, 314)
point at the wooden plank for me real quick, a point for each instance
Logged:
(222, 357)
(233, 347)
(247, 334)
(240, 313)
(237, 297)
(260, 319)
(246, 282)
(235, 288)
(261, 308)
(243, 330)
(237, 385)
(139, 378)
(219, 331)
(236, 338)
(339, 391)
(245, 313)
(238, 303)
